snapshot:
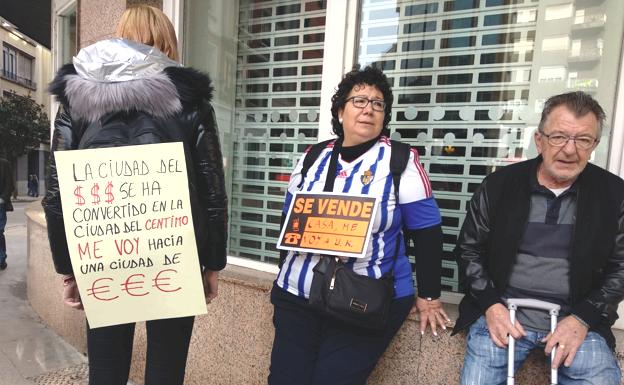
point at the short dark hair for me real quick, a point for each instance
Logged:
(578, 102)
(371, 76)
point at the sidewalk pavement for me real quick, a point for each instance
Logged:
(30, 353)
(25, 198)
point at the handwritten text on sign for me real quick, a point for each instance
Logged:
(328, 223)
(130, 232)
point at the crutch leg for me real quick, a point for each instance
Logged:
(511, 347)
(554, 313)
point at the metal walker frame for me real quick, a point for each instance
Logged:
(553, 309)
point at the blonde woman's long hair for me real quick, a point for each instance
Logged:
(148, 25)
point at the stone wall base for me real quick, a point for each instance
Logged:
(232, 343)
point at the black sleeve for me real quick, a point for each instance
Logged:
(208, 163)
(606, 296)
(427, 251)
(471, 250)
(62, 139)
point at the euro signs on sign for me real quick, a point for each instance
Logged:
(329, 223)
(130, 233)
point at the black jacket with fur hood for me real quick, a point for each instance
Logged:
(168, 105)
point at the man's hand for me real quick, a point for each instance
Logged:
(500, 327)
(568, 335)
(211, 282)
(71, 295)
(430, 312)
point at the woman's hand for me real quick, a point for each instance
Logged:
(71, 296)
(430, 312)
(211, 282)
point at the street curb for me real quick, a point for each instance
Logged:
(25, 199)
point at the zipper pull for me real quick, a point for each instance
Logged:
(331, 283)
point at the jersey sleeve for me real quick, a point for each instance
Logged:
(418, 206)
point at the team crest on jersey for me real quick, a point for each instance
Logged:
(367, 177)
(342, 174)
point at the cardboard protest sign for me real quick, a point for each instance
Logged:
(130, 232)
(328, 223)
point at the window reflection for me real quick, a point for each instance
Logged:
(471, 77)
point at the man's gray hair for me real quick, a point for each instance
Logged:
(578, 102)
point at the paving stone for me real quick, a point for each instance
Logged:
(73, 375)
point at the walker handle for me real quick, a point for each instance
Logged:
(553, 309)
(515, 303)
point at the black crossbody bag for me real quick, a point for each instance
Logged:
(339, 292)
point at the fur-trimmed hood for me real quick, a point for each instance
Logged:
(156, 89)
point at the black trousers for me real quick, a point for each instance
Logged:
(110, 352)
(310, 349)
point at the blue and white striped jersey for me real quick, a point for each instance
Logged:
(369, 175)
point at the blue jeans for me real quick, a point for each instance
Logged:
(486, 364)
(3, 221)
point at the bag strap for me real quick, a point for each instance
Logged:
(332, 167)
(310, 157)
(399, 156)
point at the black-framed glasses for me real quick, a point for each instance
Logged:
(584, 142)
(362, 102)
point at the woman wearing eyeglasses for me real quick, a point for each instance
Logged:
(310, 347)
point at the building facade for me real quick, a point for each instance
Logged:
(469, 79)
(26, 70)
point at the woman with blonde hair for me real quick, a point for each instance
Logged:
(131, 91)
(150, 26)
